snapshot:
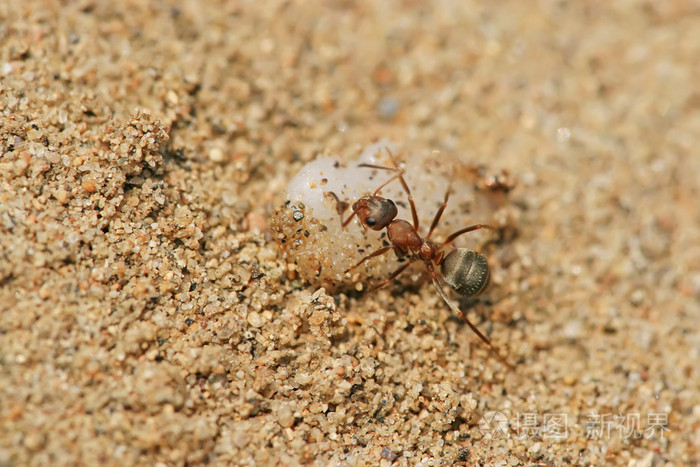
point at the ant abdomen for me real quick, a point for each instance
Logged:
(466, 271)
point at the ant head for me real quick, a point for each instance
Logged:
(375, 212)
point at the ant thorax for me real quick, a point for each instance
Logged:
(401, 232)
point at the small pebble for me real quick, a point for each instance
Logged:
(285, 416)
(255, 319)
(216, 155)
(89, 186)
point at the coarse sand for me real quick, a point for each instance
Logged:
(148, 317)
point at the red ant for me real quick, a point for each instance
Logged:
(466, 271)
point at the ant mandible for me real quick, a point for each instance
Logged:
(465, 271)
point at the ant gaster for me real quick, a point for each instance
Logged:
(466, 271)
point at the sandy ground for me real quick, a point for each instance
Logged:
(147, 317)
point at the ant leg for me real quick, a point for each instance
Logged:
(393, 276)
(414, 212)
(452, 237)
(392, 158)
(455, 308)
(379, 252)
(439, 212)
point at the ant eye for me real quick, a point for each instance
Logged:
(370, 221)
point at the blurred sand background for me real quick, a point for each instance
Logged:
(145, 316)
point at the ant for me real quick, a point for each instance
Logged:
(465, 271)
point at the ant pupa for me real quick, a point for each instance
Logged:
(464, 270)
